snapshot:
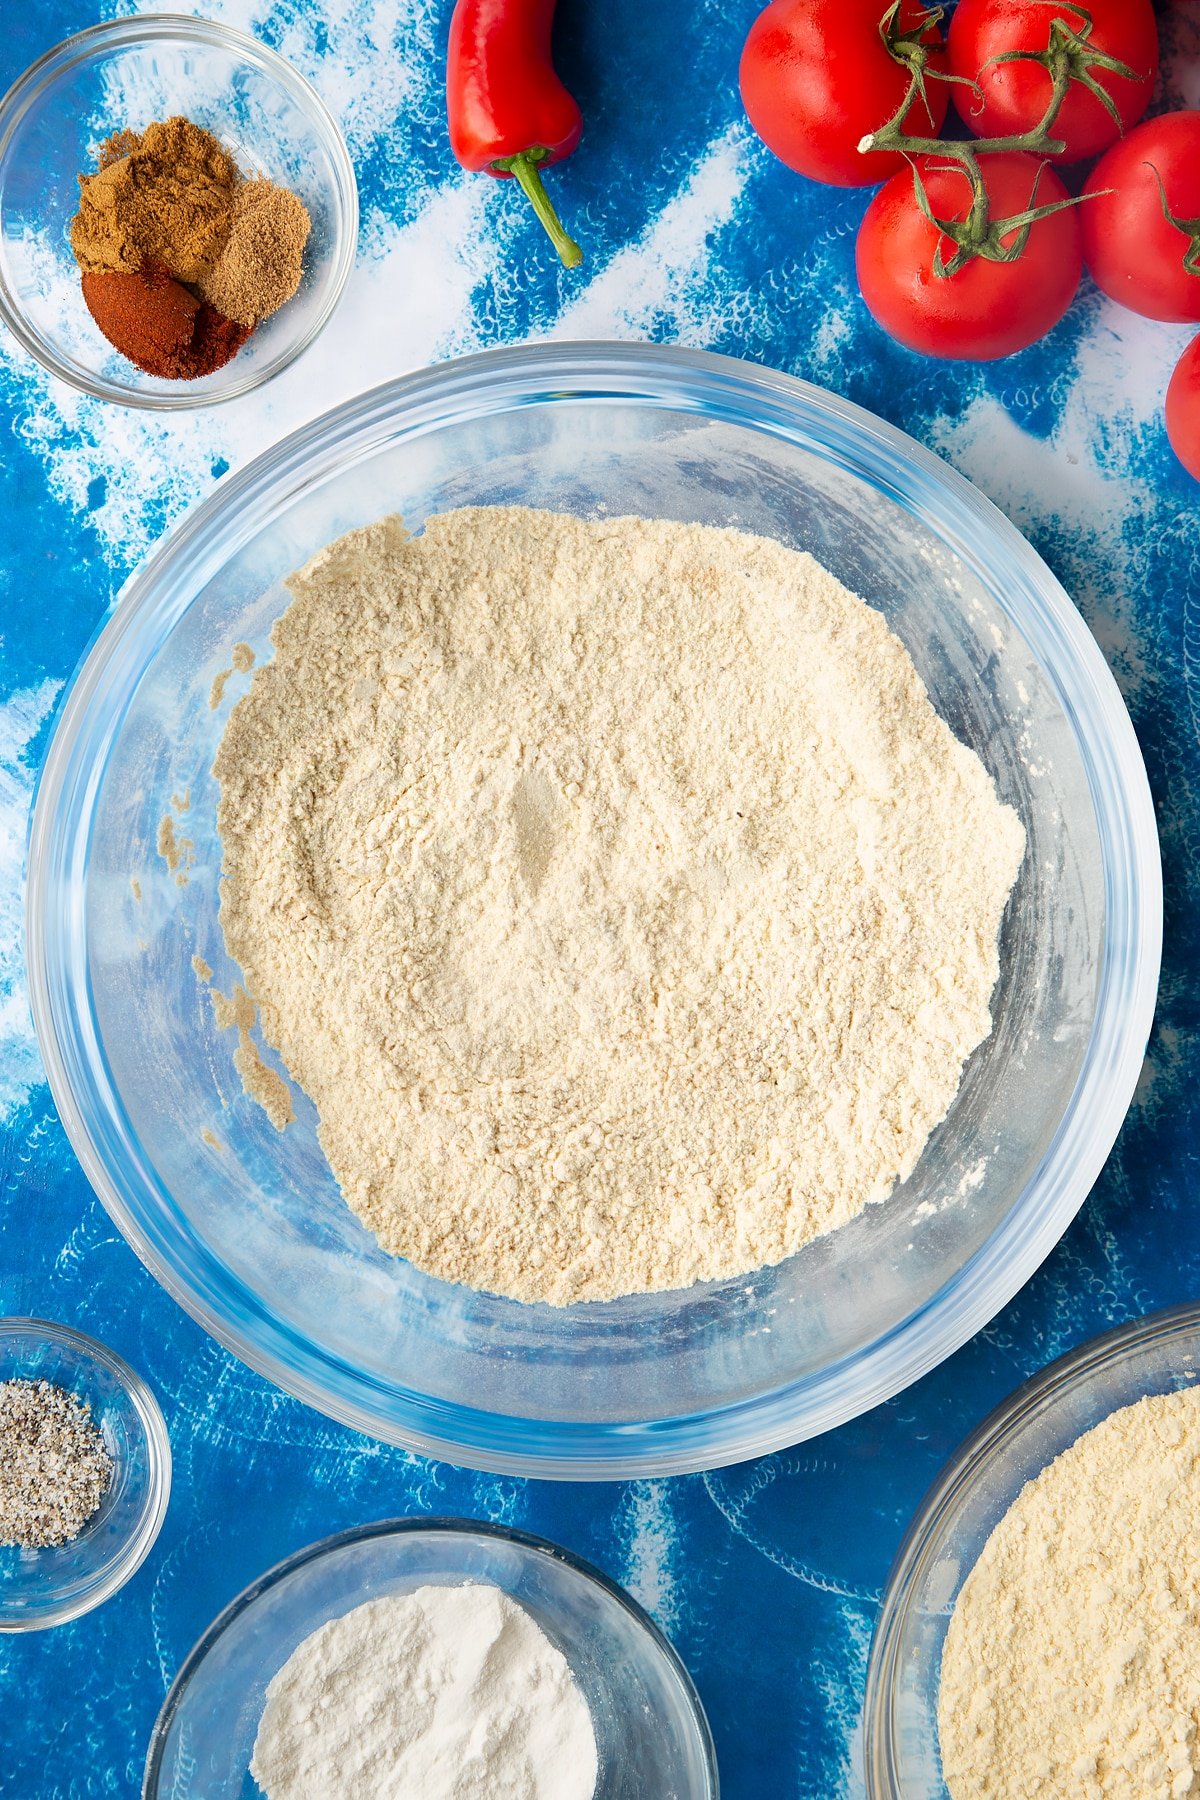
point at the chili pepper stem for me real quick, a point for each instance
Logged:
(524, 168)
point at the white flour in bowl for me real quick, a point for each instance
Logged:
(447, 1693)
(613, 890)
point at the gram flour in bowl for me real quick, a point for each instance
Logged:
(613, 890)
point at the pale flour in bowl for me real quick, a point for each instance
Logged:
(613, 890)
(1071, 1669)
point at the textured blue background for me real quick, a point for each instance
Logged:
(767, 1575)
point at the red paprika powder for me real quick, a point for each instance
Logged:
(155, 322)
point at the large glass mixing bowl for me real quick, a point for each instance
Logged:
(246, 1227)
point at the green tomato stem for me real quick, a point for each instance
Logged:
(1067, 58)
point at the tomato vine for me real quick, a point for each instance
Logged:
(1069, 58)
(1189, 227)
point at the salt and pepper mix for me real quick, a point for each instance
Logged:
(181, 256)
(54, 1466)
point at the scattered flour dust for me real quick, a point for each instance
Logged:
(447, 1693)
(1071, 1669)
(242, 660)
(235, 1012)
(176, 851)
(613, 890)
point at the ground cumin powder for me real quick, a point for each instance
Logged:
(163, 195)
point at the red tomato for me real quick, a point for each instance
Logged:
(987, 309)
(1133, 252)
(816, 77)
(1183, 409)
(1014, 96)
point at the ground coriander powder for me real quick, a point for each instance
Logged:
(259, 267)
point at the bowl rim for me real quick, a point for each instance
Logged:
(158, 1482)
(677, 379)
(969, 1464)
(131, 30)
(418, 1526)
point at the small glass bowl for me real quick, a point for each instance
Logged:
(1155, 1355)
(125, 74)
(651, 1733)
(46, 1587)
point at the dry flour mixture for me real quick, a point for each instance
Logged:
(446, 1693)
(1071, 1669)
(612, 888)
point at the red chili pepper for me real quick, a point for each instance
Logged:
(509, 113)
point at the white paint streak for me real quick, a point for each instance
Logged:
(651, 285)
(840, 1674)
(834, 333)
(1029, 477)
(1080, 473)
(652, 1550)
(1121, 374)
(1079, 479)
(369, 72)
(21, 716)
(409, 301)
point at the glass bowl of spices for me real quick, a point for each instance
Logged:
(1055, 1556)
(85, 1473)
(178, 212)
(403, 1654)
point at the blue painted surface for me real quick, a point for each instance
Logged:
(766, 1576)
